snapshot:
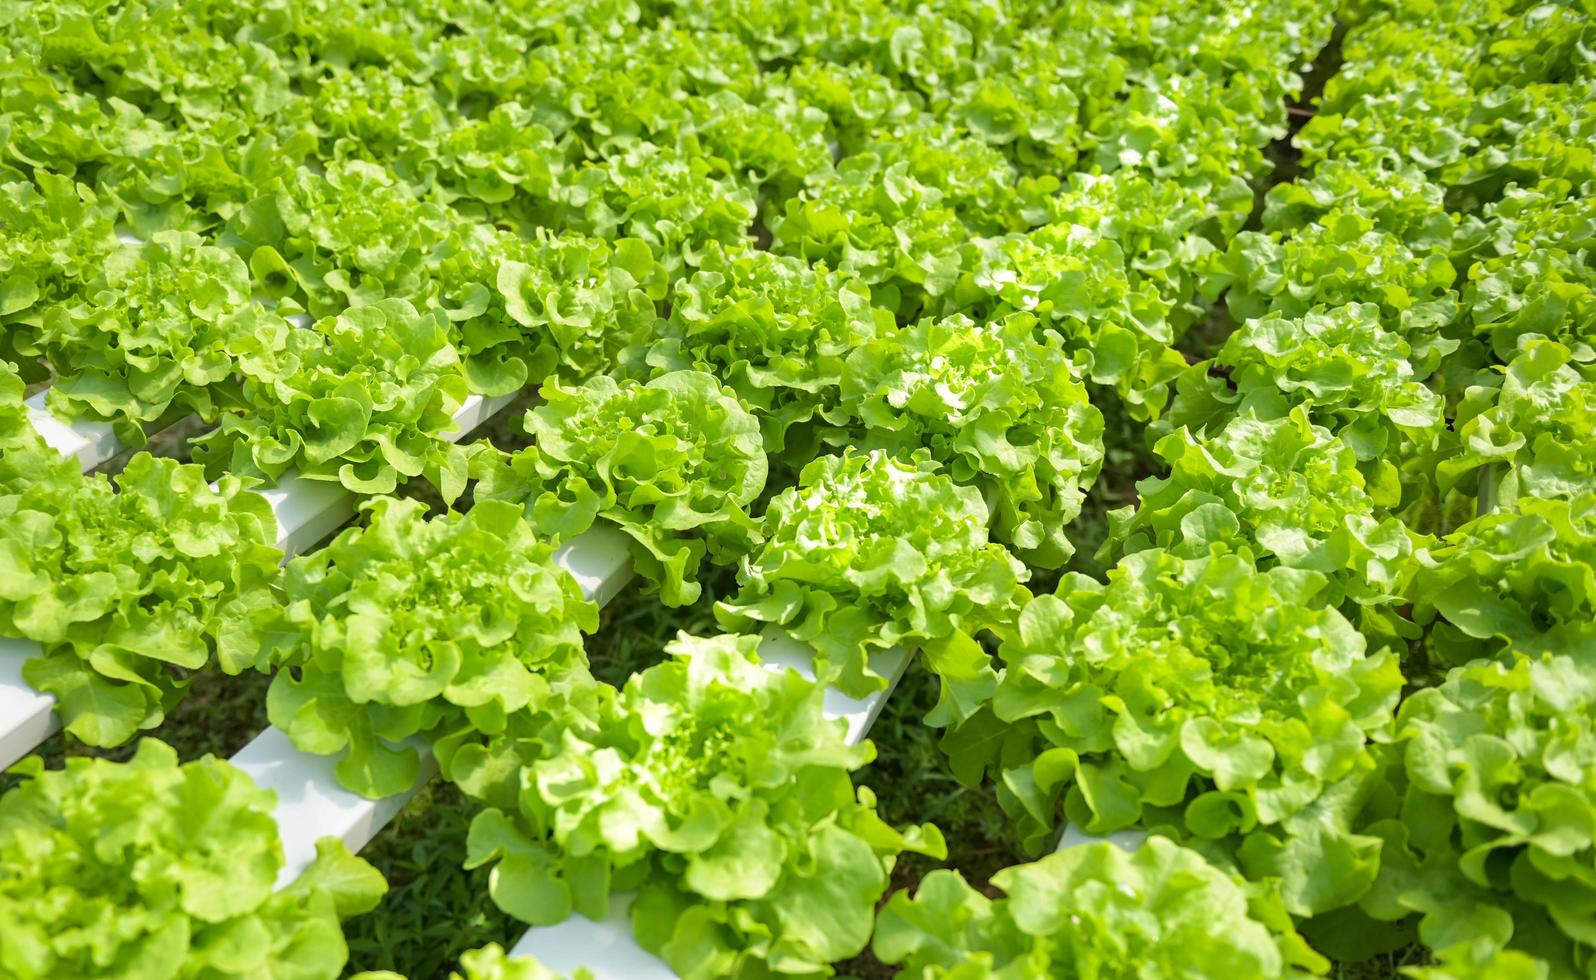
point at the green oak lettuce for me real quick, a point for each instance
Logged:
(57, 231)
(1532, 433)
(157, 334)
(674, 462)
(364, 399)
(1353, 376)
(25, 458)
(1075, 282)
(857, 100)
(673, 200)
(1488, 824)
(1166, 231)
(367, 112)
(1284, 487)
(877, 219)
(355, 234)
(1189, 127)
(773, 329)
(1520, 580)
(1199, 696)
(1351, 233)
(1092, 910)
(521, 308)
(586, 297)
(774, 143)
(719, 790)
(636, 84)
(128, 587)
(1001, 411)
(871, 552)
(1028, 102)
(415, 626)
(151, 870)
(502, 163)
(491, 962)
(1526, 268)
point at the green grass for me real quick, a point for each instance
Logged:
(435, 909)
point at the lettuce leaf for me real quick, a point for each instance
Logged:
(156, 335)
(871, 552)
(415, 626)
(1091, 910)
(1519, 581)
(25, 459)
(1202, 698)
(1531, 434)
(721, 791)
(1286, 489)
(1350, 373)
(57, 231)
(1076, 285)
(674, 201)
(148, 869)
(128, 587)
(363, 399)
(1487, 828)
(772, 329)
(999, 409)
(675, 463)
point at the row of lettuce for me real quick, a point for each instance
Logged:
(975, 219)
(1346, 647)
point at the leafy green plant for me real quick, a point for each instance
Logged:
(126, 586)
(1487, 822)
(492, 963)
(715, 787)
(353, 235)
(590, 297)
(674, 462)
(1532, 434)
(1352, 375)
(1075, 283)
(1029, 101)
(1199, 130)
(362, 399)
(520, 309)
(411, 626)
(856, 100)
(998, 408)
(150, 869)
(1166, 231)
(772, 329)
(871, 552)
(157, 334)
(1093, 910)
(1525, 274)
(674, 201)
(1352, 233)
(878, 220)
(25, 458)
(1196, 696)
(56, 231)
(1520, 580)
(1286, 489)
